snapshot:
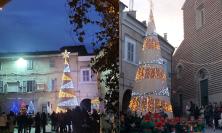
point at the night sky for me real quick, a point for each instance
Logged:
(38, 25)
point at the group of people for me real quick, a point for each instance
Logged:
(23, 121)
(211, 114)
(76, 120)
(157, 123)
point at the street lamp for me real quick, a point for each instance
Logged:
(21, 63)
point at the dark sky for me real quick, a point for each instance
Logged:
(37, 25)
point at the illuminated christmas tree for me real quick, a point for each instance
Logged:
(31, 108)
(67, 97)
(15, 107)
(23, 108)
(150, 92)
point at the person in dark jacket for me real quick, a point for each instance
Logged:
(44, 121)
(53, 118)
(37, 123)
(95, 121)
(30, 122)
(77, 120)
(22, 122)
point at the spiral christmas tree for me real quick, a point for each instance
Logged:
(67, 98)
(150, 93)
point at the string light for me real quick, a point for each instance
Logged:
(67, 98)
(58, 110)
(69, 103)
(150, 73)
(65, 95)
(158, 61)
(150, 43)
(149, 103)
(159, 92)
(134, 104)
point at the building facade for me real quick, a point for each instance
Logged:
(132, 33)
(198, 60)
(40, 79)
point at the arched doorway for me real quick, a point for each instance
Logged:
(126, 100)
(203, 84)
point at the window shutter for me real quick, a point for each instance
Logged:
(93, 76)
(50, 85)
(24, 86)
(1, 87)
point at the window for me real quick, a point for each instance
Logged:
(86, 75)
(0, 65)
(179, 70)
(29, 64)
(52, 84)
(130, 50)
(51, 63)
(31, 85)
(1, 87)
(200, 16)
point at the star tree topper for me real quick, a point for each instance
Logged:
(66, 56)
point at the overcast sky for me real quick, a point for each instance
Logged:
(168, 17)
(37, 25)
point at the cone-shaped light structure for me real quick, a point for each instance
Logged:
(67, 97)
(150, 91)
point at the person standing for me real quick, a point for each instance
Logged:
(53, 120)
(3, 122)
(30, 122)
(95, 121)
(37, 123)
(11, 122)
(44, 121)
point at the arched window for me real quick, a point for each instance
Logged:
(179, 70)
(202, 74)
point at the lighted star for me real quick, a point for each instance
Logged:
(65, 54)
